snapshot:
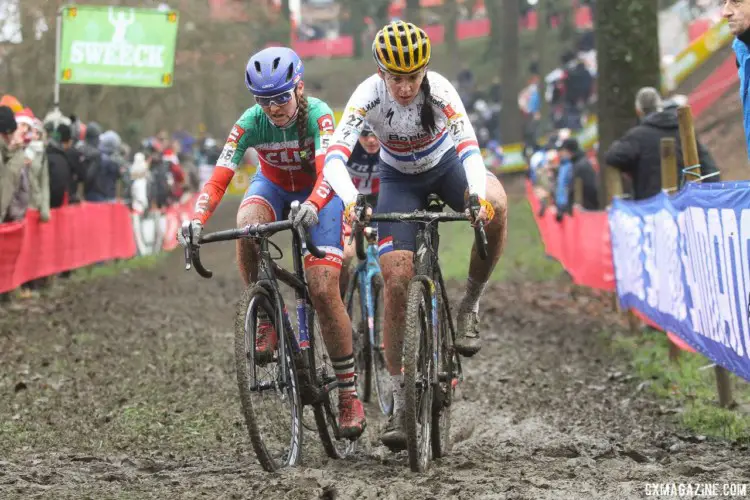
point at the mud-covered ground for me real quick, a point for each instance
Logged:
(124, 387)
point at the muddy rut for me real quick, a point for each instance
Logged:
(124, 387)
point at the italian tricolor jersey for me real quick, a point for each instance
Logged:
(279, 155)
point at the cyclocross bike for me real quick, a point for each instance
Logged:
(300, 372)
(431, 366)
(364, 304)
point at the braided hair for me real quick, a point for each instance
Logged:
(302, 130)
(427, 114)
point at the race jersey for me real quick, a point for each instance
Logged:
(279, 156)
(405, 145)
(363, 169)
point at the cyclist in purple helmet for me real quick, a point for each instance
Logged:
(291, 133)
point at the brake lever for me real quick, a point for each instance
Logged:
(186, 234)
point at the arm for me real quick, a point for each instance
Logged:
(708, 165)
(445, 101)
(623, 155)
(322, 127)
(344, 139)
(230, 158)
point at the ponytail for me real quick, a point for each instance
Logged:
(302, 130)
(427, 115)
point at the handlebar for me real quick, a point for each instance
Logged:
(258, 230)
(480, 236)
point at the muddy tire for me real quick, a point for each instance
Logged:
(446, 387)
(418, 375)
(274, 452)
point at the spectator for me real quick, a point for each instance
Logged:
(574, 165)
(38, 168)
(11, 161)
(111, 166)
(638, 152)
(64, 166)
(737, 14)
(91, 158)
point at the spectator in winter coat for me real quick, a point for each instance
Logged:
(638, 152)
(11, 159)
(737, 14)
(65, 167)
(91, 159)
(575, 165)
(38, 169)
(111, 165)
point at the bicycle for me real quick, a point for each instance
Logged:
(431, 366)
(302, 374)
(365, 292)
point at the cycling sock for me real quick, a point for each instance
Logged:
(398, 392)
(474, 290)
(344, 368)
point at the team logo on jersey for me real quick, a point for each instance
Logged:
(352, 109)
(389, 116)
(235, 135)
(449, 112)
(325, 124)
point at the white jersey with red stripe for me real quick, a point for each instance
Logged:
(405, 145)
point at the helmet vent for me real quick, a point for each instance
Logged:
(257, 67)
(290, 72)
(276, 63)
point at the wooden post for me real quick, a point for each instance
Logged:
(669, 184)
(613, 186)
(692, 174)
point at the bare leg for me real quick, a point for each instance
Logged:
(335, 325)
(346, 267)
(247, 250)
(398, 269)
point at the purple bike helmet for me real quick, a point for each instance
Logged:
(272, 71)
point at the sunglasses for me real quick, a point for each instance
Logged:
(366, 133)
(278, 99)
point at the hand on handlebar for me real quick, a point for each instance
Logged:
(358, 211)
(193, 237)
(306, 217)
(480, 210)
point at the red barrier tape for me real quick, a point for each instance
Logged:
(75, 236)
(580, 243)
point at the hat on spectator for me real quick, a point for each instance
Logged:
(570, 144)
(7, 120)
(25, 116)
(11, 102)
(64, 133)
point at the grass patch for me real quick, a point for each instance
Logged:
(688, 384)
(117, 267)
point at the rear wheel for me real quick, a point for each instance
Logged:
(269, 392)
(326, 410)
(418, 369)
(360, 338)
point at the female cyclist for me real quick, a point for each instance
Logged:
(287, 129)
(363, 169)
(427, 146)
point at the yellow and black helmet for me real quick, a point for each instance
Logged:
(401, 48)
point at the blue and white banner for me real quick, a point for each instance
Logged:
(684, 261)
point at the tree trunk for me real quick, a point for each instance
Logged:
(511, 122)
(450, 20)
(567, 23)
(627, 42)
(413, 12)
(495, 11)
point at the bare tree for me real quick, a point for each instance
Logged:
(413, 12)
(627, 42)
(509, 41)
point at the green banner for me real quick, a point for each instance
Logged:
(117, 46)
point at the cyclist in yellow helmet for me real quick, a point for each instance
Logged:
(427, 146)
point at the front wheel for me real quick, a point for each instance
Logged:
(269, 389)
(445, 390)
(360, 338)
(419, 371)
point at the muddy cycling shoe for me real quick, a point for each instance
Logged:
(266, 342)
(468, 342)
(394, 434)
(352, 422)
